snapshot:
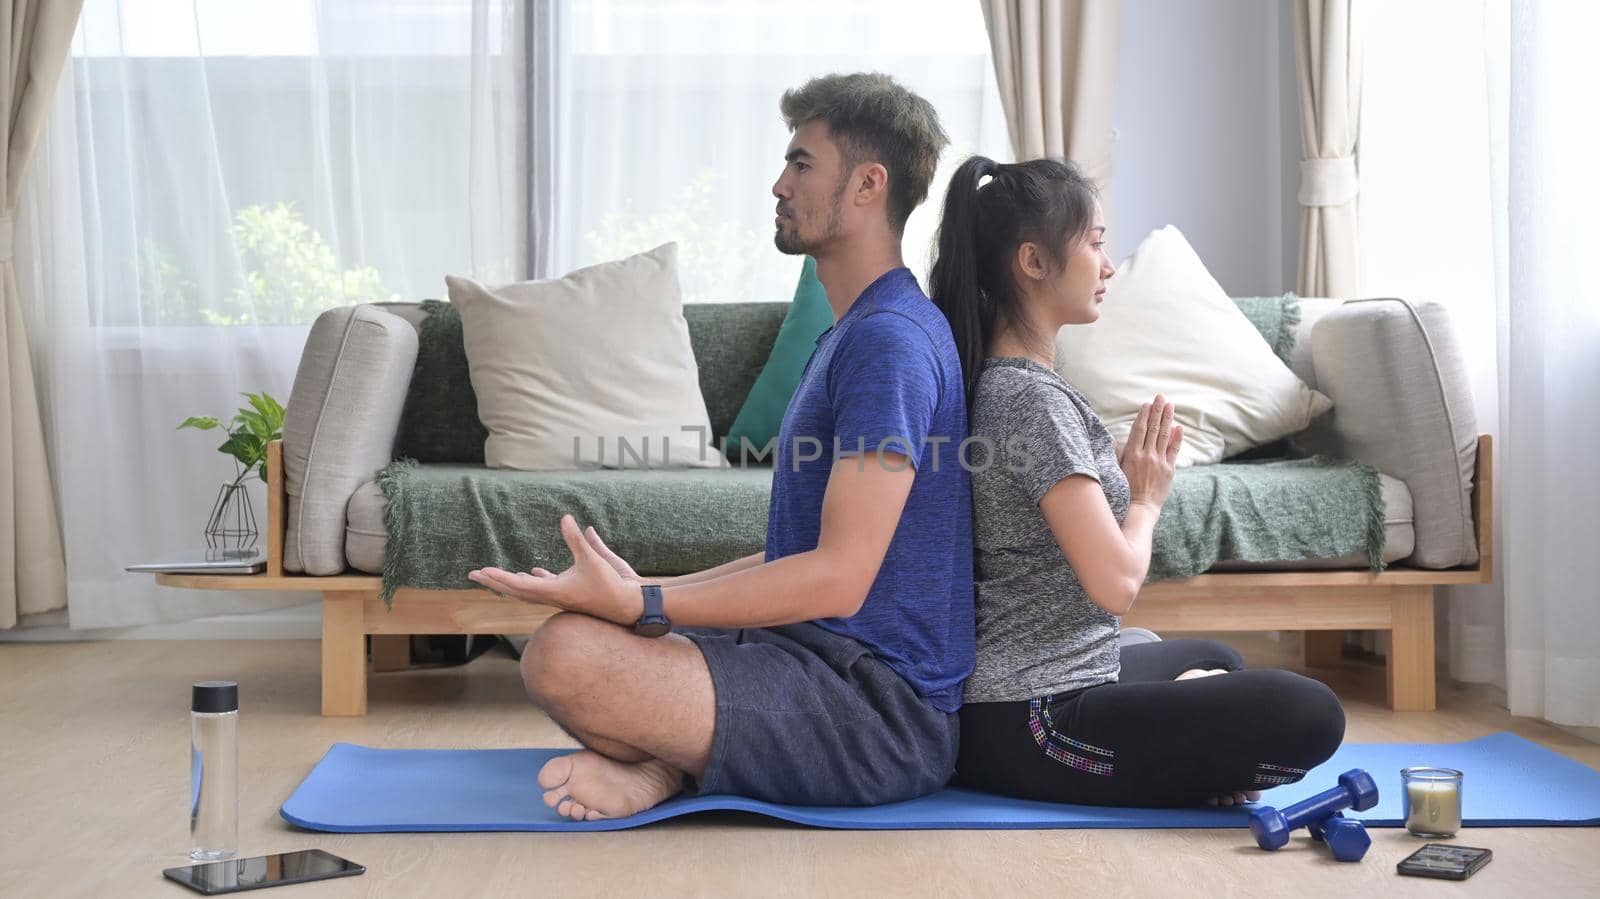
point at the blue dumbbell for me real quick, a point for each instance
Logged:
(1315, 828)
(1347, 837)
(1356, 790)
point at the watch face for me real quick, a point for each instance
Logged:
(651, 627)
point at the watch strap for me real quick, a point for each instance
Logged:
(653, 605)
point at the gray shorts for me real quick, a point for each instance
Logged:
(808, 717)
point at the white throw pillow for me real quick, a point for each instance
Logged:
(600, 355)
(1167, 327)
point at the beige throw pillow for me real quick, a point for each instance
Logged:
(594, 369)
(1168, 327)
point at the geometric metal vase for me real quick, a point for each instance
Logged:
(232, 524)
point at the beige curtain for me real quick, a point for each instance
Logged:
(36, 35)
(1056, 62)
(1328, 63)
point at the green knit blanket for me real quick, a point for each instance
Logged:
(1276, 318)
(1277, 510)
(445, 520)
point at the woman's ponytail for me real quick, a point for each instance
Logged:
(954, 283)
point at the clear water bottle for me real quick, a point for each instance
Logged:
(214, 771)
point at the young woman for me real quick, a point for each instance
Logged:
(1056, 709)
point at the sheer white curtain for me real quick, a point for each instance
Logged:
(216, 173)
(1549, 314)
(669, 128)
(1478, 189)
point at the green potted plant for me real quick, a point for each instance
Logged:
(233, 521)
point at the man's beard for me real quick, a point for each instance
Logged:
(790, 243)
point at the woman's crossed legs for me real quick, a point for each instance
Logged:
(1152, 739)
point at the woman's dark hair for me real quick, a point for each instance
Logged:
(1044, 201)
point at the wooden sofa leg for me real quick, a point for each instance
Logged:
(344, 655)
(1323, 649)
(1411, 663)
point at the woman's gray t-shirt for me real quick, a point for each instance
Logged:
(1038, 631)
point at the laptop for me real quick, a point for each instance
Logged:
(208, 560)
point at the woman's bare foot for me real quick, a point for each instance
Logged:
(1237, 797)
(587, 786)
(1200, 672)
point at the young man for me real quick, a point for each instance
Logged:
(828, 669)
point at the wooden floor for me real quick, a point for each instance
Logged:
(94, 775)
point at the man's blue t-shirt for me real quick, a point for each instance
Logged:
(886, 377)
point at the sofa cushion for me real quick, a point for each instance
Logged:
(339, 426)
(667, 521)
(1168, 327)
(593, 367)
(1403, 405)
(1312, 310)
(364, 536)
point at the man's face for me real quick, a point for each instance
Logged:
(810, 192)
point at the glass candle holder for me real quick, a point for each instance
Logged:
(1432, 801)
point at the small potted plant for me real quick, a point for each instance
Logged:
(233, 521)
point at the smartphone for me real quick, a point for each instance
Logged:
(1445, 861)
(236, 874)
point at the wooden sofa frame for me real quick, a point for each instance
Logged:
(1323, 604)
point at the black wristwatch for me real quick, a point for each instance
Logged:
(654, 622)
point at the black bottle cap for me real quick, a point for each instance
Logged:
(216, 696)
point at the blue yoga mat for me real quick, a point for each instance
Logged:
(356, 789)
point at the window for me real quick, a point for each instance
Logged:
(258, 161)
(670, 128)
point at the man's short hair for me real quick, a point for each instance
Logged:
(873, 118)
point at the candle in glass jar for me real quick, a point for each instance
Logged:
(1433, 801)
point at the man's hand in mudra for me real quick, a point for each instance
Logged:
(599, 583)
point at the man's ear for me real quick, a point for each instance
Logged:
(872, 182)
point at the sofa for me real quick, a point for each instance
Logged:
(1391, 367)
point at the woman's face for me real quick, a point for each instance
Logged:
(1080, 285)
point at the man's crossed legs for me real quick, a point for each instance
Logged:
(793, 713)
(644, 709)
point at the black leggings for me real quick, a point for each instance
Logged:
(1150, 741)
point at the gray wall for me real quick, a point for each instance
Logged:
(1208, 139)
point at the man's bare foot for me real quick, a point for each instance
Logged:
(587, 786)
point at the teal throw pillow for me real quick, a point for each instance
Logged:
(761, 415)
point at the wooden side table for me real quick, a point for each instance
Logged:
(351, 609)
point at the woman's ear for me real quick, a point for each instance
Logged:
(1030, 263)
